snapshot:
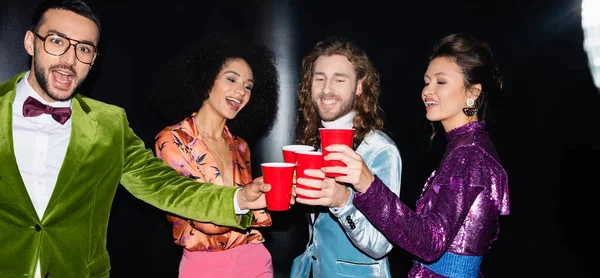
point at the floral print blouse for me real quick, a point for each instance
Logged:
(181, 146)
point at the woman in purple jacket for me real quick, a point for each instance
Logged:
(456, 217)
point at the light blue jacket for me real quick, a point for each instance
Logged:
(342, 243)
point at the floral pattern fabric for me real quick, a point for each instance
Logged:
(181, 146)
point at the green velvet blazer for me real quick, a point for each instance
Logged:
(103, 152)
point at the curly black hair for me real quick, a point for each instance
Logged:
(183, 84)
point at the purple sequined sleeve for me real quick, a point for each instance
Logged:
(427, 238)
(459, 206)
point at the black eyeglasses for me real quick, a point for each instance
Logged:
(58, 45)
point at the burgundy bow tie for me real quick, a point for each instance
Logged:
(33, 108)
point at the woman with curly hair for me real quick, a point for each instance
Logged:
(220, 86)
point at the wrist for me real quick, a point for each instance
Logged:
(241, 201)
(344, 199)
(366, 184)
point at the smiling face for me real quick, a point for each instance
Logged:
(444, 93)
(334, 87)
(232, 88)
(56, 78)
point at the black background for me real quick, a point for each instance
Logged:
(545, 128)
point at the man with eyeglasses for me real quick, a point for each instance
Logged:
(57, 45)
(62, 156)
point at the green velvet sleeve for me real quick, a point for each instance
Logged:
(153, 181)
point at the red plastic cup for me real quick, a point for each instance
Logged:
(307, 160)
(289, 152)
(279, 175)
(331, 136)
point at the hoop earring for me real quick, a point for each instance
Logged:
(470, 111)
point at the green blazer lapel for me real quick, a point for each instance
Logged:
(10, 177)
(83, 137)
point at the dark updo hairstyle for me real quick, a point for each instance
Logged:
(185, 82)
(476, 62)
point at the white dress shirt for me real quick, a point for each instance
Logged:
(40, 145)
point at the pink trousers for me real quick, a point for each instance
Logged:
(245, 261)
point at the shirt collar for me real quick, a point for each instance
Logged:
(343, 122)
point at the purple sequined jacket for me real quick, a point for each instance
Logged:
(459, 206)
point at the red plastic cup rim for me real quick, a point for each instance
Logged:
(310, 152)
(296, 148)
(278, 164)
(336, 128)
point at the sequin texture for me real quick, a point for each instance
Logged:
(459, 206)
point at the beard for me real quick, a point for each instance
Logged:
(40, 76)
(346, 106)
